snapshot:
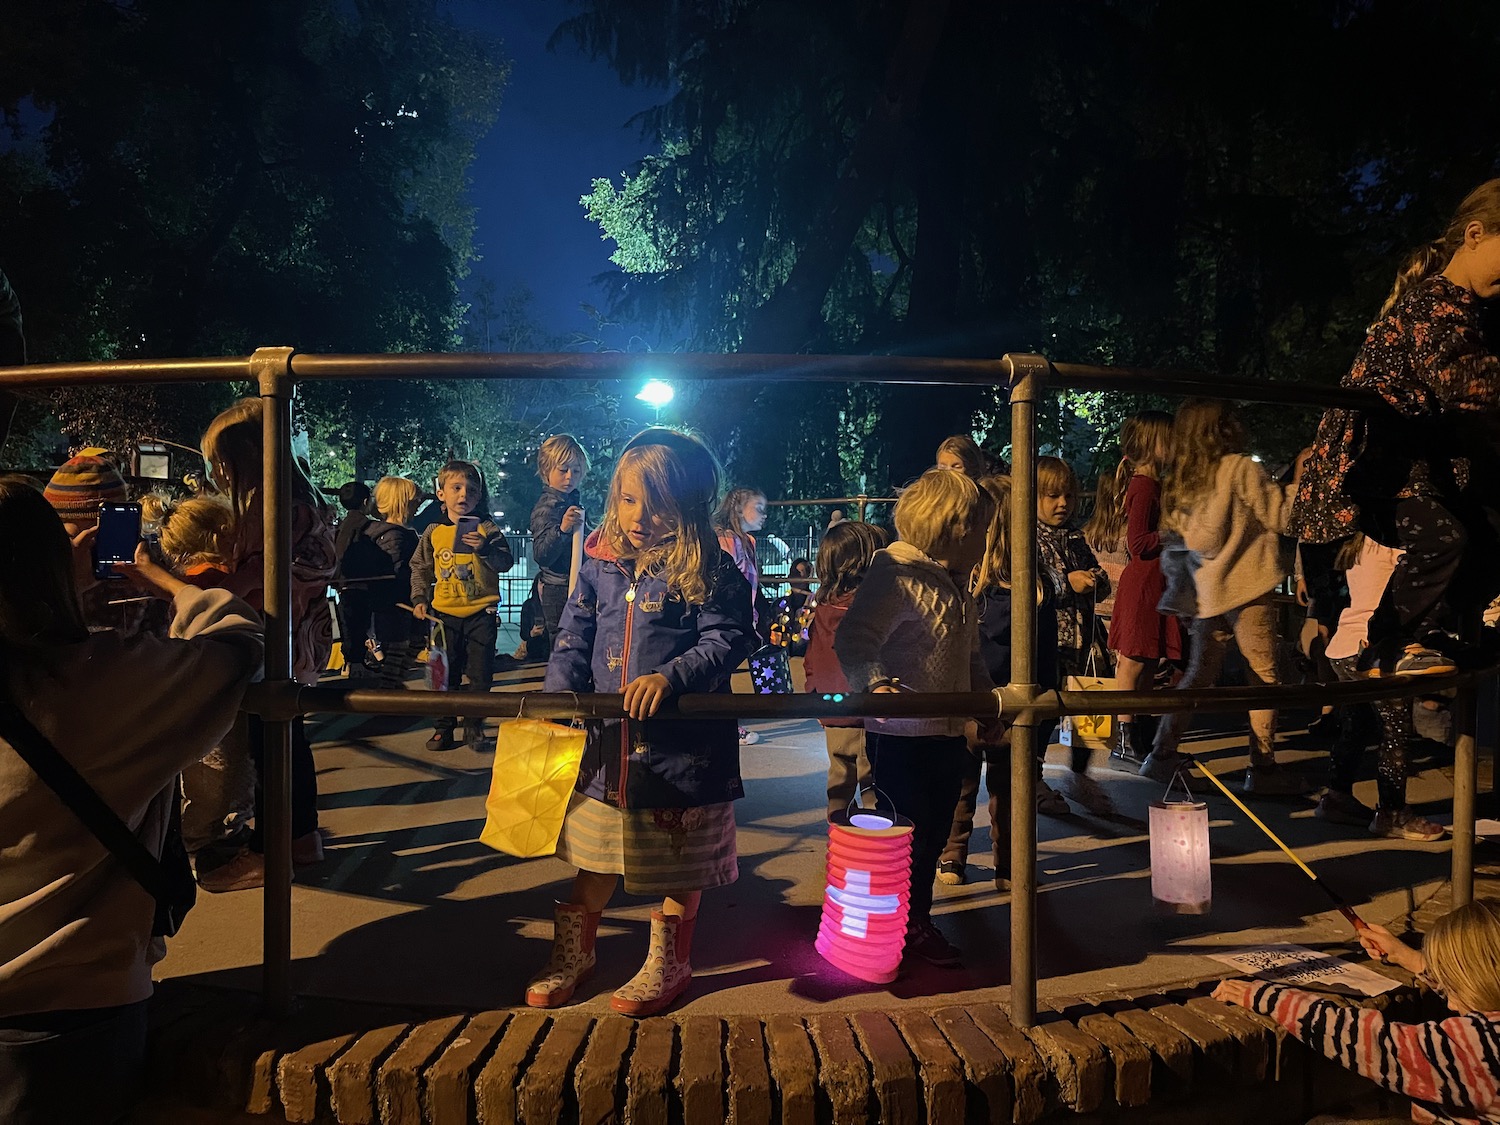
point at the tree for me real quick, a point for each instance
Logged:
(215, 178)
(1101, 182)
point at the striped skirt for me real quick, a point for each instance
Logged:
(658, 851)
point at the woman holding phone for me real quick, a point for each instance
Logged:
(76, 944)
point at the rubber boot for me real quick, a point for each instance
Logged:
(574, 931)
(665, 975)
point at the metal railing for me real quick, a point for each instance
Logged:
(279, 698)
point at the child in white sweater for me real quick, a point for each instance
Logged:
(913, 626)
(1230, 515)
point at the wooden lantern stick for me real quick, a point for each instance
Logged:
(1343, 907)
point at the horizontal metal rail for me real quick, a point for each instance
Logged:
(920, 370)
(1005, 702)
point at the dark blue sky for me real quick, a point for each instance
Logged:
(562, 123)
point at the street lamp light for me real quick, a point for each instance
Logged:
(656, 394)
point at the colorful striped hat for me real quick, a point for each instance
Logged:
(87, 480)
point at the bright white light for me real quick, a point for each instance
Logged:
(498, 515)
(656, 394)
(1255, 457)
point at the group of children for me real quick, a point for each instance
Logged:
(664, 603)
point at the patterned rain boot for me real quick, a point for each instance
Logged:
(665, 975)
(574, 931)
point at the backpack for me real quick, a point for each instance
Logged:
(363, 557)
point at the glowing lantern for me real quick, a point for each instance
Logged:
(863, 931)
(1180, 881)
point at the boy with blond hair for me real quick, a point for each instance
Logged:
(562, 464)
(455, 580)
(913, 627)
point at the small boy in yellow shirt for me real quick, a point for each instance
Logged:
(455, 580)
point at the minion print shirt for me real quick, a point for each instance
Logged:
(462, 584)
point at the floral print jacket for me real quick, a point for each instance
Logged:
(1428, 360)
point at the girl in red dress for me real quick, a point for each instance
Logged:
(1139, 636)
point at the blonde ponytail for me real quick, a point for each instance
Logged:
(1425, 261)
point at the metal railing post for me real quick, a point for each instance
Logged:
(1027, 381)
(1465, 784)
(272, 370)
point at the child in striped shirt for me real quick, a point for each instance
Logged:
(1450, 1068)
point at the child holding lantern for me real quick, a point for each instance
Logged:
(913, 626)
(1446, 1067)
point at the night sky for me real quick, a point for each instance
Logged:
(562, 122)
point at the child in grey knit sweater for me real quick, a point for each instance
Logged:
(913, 626)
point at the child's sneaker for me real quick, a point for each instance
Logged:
(952, 873)
(441, 740)
(474, 735)
(1343, 808)
(1418, 661)
(1403, 824)
(926, 941)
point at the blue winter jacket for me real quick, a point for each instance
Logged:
(606, 640)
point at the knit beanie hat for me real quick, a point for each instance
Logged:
(87, 480)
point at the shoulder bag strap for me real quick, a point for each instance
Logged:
(60, 776)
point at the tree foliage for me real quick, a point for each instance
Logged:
(1133, 182)
(215, 177)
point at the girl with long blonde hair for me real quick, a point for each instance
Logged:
(658, 610)
(1231, 516)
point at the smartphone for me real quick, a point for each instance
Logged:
(463, 527)
(119, 532)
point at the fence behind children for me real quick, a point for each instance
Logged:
(276, 370)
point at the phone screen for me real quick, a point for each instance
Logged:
(464, 526)
(119, 532)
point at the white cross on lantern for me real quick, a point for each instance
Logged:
(863, 929)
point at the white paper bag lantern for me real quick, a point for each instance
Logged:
(1180, 880)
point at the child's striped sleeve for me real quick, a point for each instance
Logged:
(1453, 1063)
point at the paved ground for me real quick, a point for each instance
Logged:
(410, 909)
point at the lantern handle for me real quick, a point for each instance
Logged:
(879, 793)
(1180, 777)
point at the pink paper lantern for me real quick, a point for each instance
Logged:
(1180, 874)
(863, 930)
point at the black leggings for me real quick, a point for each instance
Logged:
(1394, 717)
(1446, 576)
(923, 776)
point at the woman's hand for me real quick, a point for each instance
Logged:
(1385, 946)
(572, 520)
(147, 575)
(644, 695)
(1081, 581)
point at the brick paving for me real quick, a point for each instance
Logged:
(1177, 1055)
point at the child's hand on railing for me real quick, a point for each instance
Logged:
(644, 695)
